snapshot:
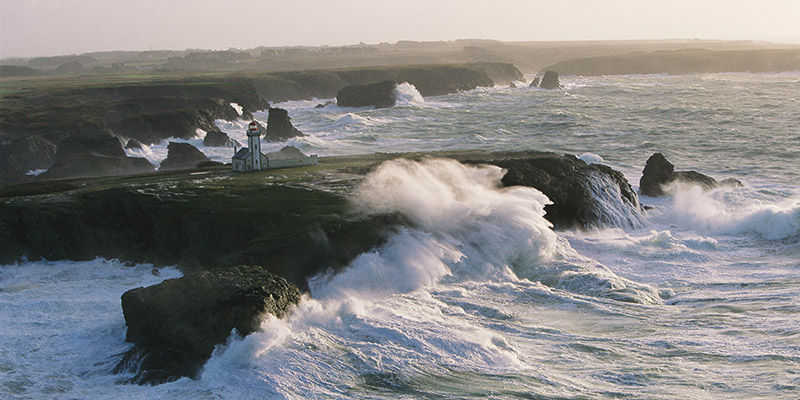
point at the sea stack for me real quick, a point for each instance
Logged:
(279, 126)
(658, 172)
(379, 94)
(182, 156)
(550, 81)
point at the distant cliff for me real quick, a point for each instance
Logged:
(679, 62)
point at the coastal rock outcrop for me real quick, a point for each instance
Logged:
(133, 144)
(550, 81)
(658, 172)
(182, 156)
(378, 94)
(218, 138)
(176, 324)
(583, 195)
(279, 126)
(535, 82)
(85, 156)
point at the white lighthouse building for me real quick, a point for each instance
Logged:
(250, 158)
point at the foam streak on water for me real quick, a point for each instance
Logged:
(695, 298)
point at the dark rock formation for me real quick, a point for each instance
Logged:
(285, 153)
(134, 144)
(25, 154)
(279, 126)
(550, 81)
(218, 138)
(176, 324)
(583, 195)
(658, 172)
(535, 82)
(512, 85)
(499, 73)
(379, 94)
(182, 156)
(85, 156)
(293, 232)
(327, 103)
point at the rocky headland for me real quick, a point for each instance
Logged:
(684, 61)
(36, 119)
(293, 223)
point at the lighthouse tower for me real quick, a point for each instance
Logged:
(254, 144)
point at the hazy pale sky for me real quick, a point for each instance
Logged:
(53, 27)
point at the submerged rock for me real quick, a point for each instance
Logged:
(658, 172)
(279, 126)
(182, 156)
(550, 80)
(176, 324)
(379, 94)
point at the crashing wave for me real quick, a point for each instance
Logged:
(407, 94)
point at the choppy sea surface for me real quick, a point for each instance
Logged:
(698, 299)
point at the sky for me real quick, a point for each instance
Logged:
(31, 28)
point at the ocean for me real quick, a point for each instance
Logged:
(696, 298)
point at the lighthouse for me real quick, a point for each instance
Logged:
(254, 144)
(250, 158)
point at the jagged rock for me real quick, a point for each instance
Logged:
(659, 172)
(327, 103)
(27, 153)
(582, 194)
(512, 85)
(84, 156)
(218, 138)
(134, 144)
(279, 126)
(379, 94)
(182, 156)
(285, 153)
(550, 80)
(535, 82)
(176, 324)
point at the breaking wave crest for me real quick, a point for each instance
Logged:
(407, 94)
(727, 211)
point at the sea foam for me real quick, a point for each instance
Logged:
(731, 211)
(407, 94)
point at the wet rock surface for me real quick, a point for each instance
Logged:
(176, 324)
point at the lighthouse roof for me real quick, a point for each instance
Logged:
(242, 154)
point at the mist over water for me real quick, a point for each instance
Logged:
(698, 297)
